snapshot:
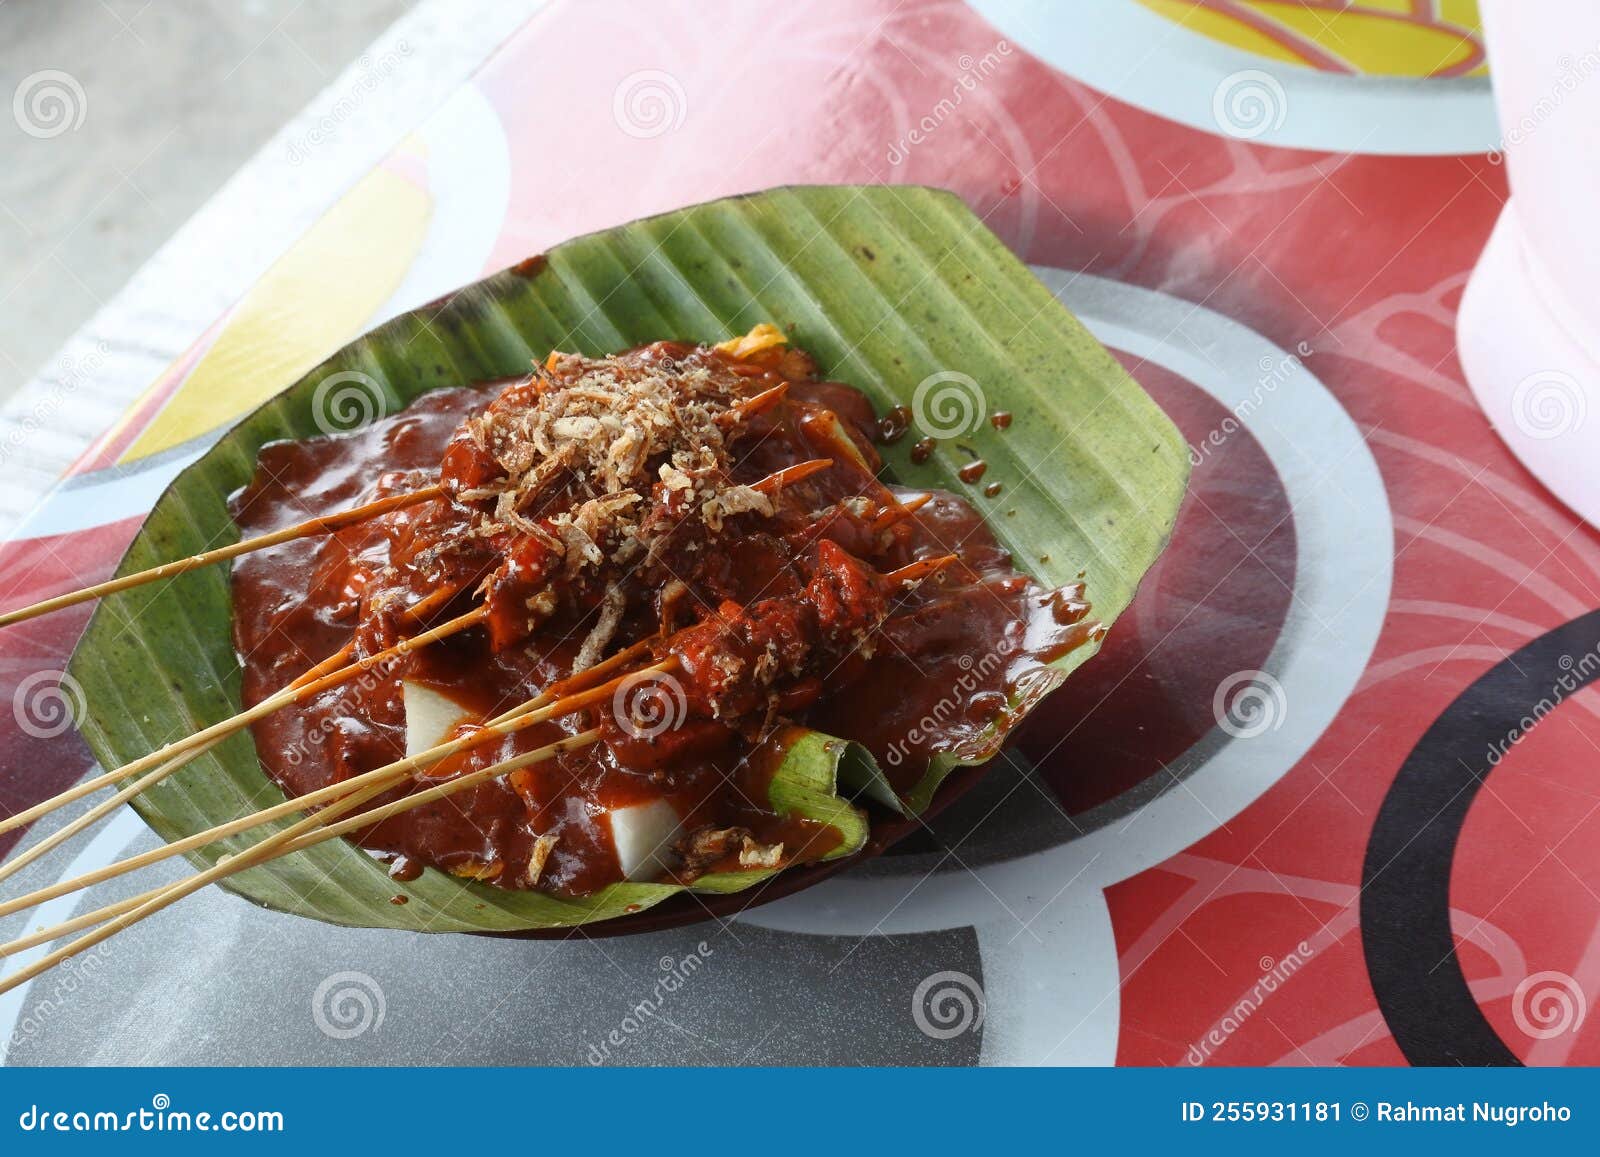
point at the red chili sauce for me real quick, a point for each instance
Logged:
(907, 670)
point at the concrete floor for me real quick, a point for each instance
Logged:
(124, 117)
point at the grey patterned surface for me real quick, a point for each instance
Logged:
(174, 98)
(217, 981)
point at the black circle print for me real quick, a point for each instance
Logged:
(1405, 880)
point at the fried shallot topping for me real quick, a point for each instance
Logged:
(702, 849)
(586, 478)
(603, 427)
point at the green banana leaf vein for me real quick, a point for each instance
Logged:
(888, 287)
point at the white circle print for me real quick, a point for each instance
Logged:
(1140, 58)
(1343, 533)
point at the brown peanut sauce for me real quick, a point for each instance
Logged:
(937, 675)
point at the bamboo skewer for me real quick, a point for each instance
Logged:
(413, 615)
(440, 791)
(342, 798)
(310, 839)
(326, 824)
(555, 702)
(110, 911)
(201, 740)
(79, 923)
(217, 731)
(333, 662)
(560, 698)
(580, 681)
(278, 844)
(354, 792)
(55, 839)
(324, 524)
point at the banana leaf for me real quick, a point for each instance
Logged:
(899, 291)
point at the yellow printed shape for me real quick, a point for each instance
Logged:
(1221, 27)
(315, 298)
(1372, 37)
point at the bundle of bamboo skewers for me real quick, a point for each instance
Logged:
(337, 809)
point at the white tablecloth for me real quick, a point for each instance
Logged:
(210, 262)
